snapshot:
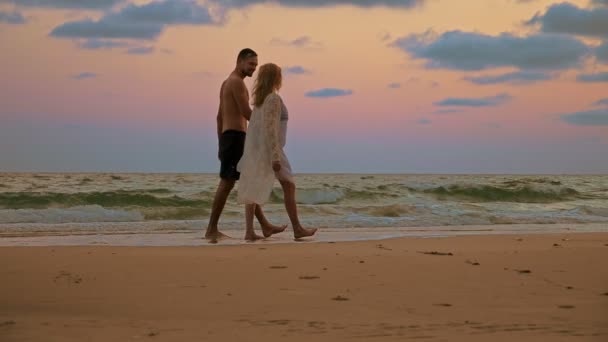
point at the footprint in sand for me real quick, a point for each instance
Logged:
(437, 253)
(309, 277)
(566, 306)
(380, 246)
(278, 321)
(339, 298)
(317, 325)
(68, 277)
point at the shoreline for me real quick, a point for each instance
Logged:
(194, 238)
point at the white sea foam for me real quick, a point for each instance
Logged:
(319, 196)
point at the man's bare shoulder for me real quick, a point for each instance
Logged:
(228, 86)
(233, 79)
(234, 82)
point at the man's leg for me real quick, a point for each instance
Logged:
(268, 228)
(219, 201)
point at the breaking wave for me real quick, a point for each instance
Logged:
(488, 193)
(42, 200)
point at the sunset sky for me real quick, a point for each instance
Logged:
(389, 86)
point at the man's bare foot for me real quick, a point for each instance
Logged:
(215, 236)
(252, 237)
(303, 232)
(271, 229)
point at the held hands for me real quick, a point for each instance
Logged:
(276, 166)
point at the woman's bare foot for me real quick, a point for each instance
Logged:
(303, 232)
(270, 229)
(251, 237)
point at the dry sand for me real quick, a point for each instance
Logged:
(543, 287)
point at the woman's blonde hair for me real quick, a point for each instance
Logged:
(269, 79)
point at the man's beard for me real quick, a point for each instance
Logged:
(247, 73)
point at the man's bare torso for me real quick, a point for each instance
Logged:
(232, 118)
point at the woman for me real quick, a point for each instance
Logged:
(264, 159)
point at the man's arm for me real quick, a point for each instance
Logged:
(219, 130)
(220, 122)
(241, 98)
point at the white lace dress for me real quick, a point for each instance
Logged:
(264, 143)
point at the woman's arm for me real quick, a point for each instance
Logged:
(272, 114)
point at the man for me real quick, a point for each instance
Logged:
(232, 116)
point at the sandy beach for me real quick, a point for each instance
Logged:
(540, 287)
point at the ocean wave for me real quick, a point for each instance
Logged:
(368, 194)
(594, 211)
(41, 200)
(527, 181)
(488, 193)
(310, 196)
(79, 214)
(331, 195)
(174, 213)
(392, 210)
(96, 213)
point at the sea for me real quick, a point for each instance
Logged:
(60, 206)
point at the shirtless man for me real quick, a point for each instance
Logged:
(232, 116)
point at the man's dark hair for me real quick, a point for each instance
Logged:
(246, 53)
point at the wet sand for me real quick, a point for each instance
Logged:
(64, 235)
(513, 287)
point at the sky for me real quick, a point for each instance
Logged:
(387, 86)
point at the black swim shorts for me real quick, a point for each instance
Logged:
(232, 144)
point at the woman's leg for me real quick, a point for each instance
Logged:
(250, 234)
(289, 195)
(268, 228)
